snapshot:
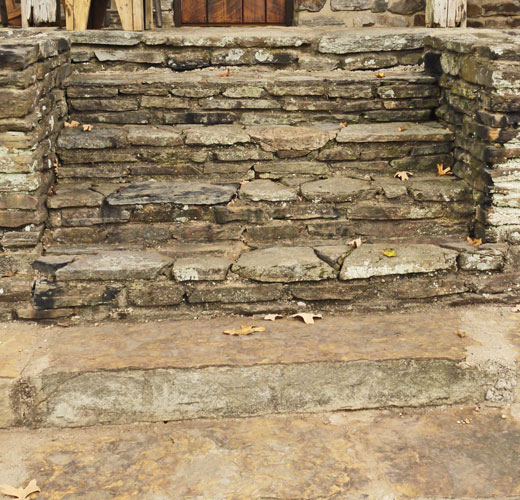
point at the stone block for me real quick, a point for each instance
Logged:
(278, 138)
(153, 136)
(266, 190)
(283, 264)
(115, 265)
(72, 195)
(201, 269)
(338, 189)
(368, 260)
(336, 5)
(406, 7)
(97, 138)
(157, 293)
(333, 255)
(49, 264)
(221, 135)
(484, 259)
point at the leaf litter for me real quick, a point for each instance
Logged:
(245, 330)
(307, 318)
(20, 493)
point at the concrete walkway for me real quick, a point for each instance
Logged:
(375, 455)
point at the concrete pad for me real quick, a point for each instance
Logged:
(383, 455)
(123, 373)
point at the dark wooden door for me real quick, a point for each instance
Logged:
(226, 12)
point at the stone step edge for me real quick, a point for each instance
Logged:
(100, 375)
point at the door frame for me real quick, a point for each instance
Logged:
(177, 16)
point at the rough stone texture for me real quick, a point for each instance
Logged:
(201, 269)
(290, 138)
(265, 190)
(123, 265)
(221, 135)
(368, 261)
(337, 189)
(279, 264)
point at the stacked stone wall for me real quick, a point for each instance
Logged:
(32, 109)
(480, 101)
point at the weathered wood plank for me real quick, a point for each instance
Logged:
(446, 13)
(124, 8)
(254, 11)
(138, 14)
(275, 11)
(225, 11)
(81, 12)
(194, 11)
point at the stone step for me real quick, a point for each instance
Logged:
(250, 97)
(376, 455)
(307, 48)
(184, 281)
(293, 203)
(233, 153)
(117, 373)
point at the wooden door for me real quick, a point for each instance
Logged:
(226, 12)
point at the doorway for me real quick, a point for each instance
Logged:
(233, 12)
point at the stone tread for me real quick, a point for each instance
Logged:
(295, 456)
(193, 370)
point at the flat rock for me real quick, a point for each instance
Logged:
(279, 138)
(283, 264)
(147, 135)
(49, 264)
(333, 255)
(117, 266)
(215, 135)
(266, 190)
(368, 261)
(97, 138)
(337, 189)
(181, 193)
(71, 195)
(394, 132)
(438, 189)
(201, 269)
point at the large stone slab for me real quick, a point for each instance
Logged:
(201, 268)
(217, 135)
(182, 193)
(337, 189)
(368, 260)
(117, 266)
(266, 190)
(281, 138)
(394, 132)
(283, 264)
(97, 138)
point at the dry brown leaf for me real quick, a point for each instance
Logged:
(8, 274)
(343, 124)
(307, 318)
(20, 493)
(72, 124)
(443, 171)
(380, 74)
(87, 127)
(516, 309)
(355, 243)
(461, 334)
(402, 128)
(474, 241)
(245, 330)
(226, 73)
(404, 175)
(272, 317)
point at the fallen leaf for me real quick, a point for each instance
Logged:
(404, 175)
(443, 171)
(72, 124)
(87, 127)
(389, 252)
(226, 73)
(516, 309)
(402, 128)
(308, 318)
(8, 274)
(245, 330)
(343, 124)
(272, 317)
(355, 243)
(380, 75)
(474, 241)
(21, 494)
(461, 334)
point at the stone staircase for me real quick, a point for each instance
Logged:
(241, 191)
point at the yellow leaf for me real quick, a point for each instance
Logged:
(343, 124)
(87, 128)
(307, 318)
(461, 334)
(20, 493)
(72, 124)
(226, 73)
(443, 171)
(402, 128)
(380, 74)
(404, 175)
(245, 330)
(389, 252)
(474, 241)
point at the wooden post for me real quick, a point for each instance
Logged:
(40, 12)
(446, 13)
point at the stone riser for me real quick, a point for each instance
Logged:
(94, 301)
